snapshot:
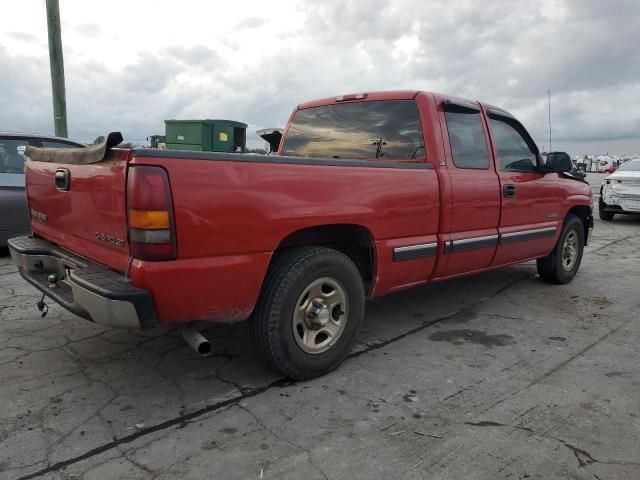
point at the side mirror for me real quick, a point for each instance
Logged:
(559, 162)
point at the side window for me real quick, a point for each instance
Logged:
(514, 153)
(54, 144)
(12, 155)
(468, 143)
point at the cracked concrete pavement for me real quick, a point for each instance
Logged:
(497, 375)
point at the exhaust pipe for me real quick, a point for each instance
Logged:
(198, 342)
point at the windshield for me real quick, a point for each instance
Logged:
(631, 166)
(385, 130)
(12, 155)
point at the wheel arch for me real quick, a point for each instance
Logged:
(584, 213)
(355, 241)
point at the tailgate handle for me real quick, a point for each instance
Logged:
(62, 179)
(509, 191)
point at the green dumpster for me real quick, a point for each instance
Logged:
(206, 135)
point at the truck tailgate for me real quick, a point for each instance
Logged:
(87, 215)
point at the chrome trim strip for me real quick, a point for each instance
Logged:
(526, 235)
(410, 252)
(472, 243)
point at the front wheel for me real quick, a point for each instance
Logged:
(309, 311)
(562, 264)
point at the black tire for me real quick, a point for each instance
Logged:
(602, 212)
(551, 268)
(272, 328)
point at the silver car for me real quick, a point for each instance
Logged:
(14, 217)
(620, 191)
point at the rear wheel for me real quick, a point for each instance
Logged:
(309, 312)
(562, 264)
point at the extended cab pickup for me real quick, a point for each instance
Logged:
(369, 194)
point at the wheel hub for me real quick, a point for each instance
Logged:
(320, 315)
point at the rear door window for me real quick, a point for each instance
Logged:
(382, 130)
(468, 143)
(12, 155)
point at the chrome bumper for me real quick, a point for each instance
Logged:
(84, 288)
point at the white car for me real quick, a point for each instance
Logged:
(620, 191)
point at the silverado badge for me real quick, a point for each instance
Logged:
(118, 242)
(39, 215)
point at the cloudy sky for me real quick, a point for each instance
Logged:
(131, 64)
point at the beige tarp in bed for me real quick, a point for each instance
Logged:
(75, 156)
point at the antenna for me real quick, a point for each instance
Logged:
(549, 97)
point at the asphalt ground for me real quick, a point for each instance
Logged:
(498, 375)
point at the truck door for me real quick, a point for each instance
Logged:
(529, 220)
(475, 189)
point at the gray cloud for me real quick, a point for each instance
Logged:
(24, 37)
(493, 51)
(196, 56)
(251, 22)
(24, 93)
(90, 30)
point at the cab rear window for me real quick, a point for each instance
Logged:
(383, 130)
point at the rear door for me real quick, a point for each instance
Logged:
(475, 189)
(529, 219)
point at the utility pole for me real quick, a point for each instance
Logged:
(56, 62)
(549, 96)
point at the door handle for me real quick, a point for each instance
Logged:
(509, 191)
(61, 179)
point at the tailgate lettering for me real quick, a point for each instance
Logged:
(118, 242)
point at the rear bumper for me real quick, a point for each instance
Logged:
(618, 203)
(86, 289)
(619, 209)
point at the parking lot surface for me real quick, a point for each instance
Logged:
(497, 375)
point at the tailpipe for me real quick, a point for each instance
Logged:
(198, 342)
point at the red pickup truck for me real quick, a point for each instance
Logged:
(369, 194)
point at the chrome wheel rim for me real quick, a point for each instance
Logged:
(320, 315)
(570, 251)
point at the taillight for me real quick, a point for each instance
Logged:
(152, 232)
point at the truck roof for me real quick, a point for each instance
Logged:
(393, 95)
(389, 95)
